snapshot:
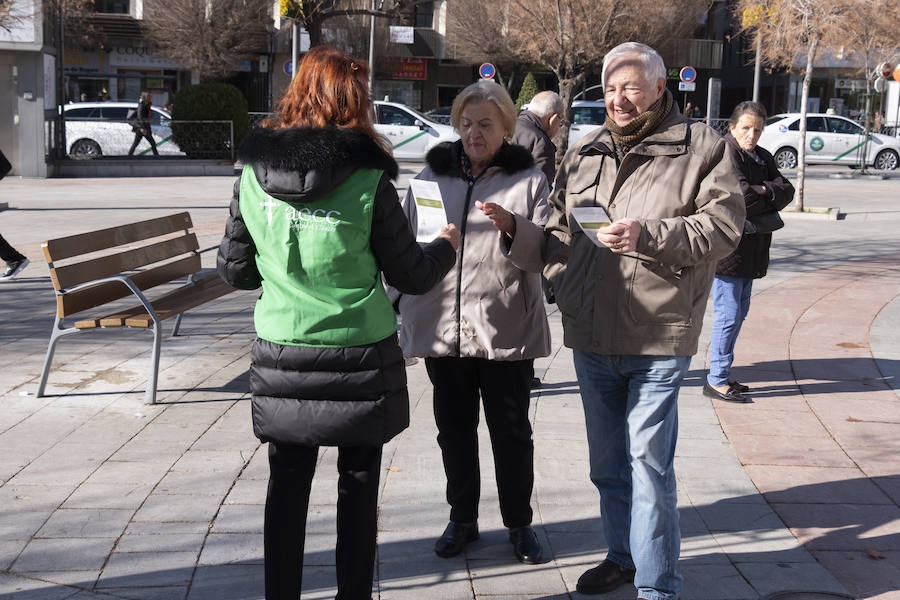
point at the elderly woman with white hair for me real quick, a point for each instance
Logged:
(481, 327)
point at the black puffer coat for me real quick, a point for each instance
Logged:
(329, 396)
(751, 258)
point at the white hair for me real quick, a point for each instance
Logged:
(654, 67)
(545, 104)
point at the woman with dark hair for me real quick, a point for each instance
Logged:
(141, 124)
(765, 191)
(316, 222)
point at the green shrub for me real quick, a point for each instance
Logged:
(528, 91)
(209, 102)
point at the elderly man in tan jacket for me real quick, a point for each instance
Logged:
(632, 305)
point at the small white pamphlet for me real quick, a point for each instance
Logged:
(429, 209)
(590, 219)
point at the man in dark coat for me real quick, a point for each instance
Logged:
(536, 128)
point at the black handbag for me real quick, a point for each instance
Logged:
(764, 223)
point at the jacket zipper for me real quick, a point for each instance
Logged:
(462, 245)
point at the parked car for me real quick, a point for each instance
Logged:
(411, 133)
(440, 115)
(830, 139)
(95, 129)
(586, 116)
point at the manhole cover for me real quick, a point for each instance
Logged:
(808, 596)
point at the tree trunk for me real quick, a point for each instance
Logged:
(568, 87)
(804, 99)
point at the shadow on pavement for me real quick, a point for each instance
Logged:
(409, 564)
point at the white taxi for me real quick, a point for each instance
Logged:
(830, 139)
(411, 133)
(95, 129)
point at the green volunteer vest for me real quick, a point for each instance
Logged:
(321, 284)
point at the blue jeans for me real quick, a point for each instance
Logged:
(631, 414)
(731, 301)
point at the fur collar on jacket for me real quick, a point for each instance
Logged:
(444, 159)
(304, 149)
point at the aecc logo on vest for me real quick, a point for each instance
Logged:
(318, 219)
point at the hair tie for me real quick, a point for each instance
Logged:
(354, 66)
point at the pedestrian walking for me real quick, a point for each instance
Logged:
(632, 306)
(481, 328)
(766, 192)
(141, 124)
(316, 223)
(15, 260)
(536, 128)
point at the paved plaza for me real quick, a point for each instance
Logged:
(105, 497)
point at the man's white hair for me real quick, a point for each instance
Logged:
(653, 66)
(545, 104)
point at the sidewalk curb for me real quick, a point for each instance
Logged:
(812, 212)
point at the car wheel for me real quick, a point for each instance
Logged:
(786, 158)
(85, 149)
(886, 160)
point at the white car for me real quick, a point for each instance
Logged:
(95, 129)
(411, 133)
(830, 139)
(586, 116)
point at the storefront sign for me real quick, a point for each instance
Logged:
(849, 84)
(76, 62)
(139, 57)
(402, 34)
(406, 68)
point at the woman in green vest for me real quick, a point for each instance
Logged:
(316, 222)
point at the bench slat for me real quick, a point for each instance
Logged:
(76, 302)
(128, 260)
(166, 306)
(92, 241)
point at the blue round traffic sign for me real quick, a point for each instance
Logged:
(687, 74)
(487, 71)
(288, 67)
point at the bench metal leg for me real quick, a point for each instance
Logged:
(150, 394)
(177, 324)
(57, 332)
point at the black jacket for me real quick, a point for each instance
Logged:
(329, 396)
(751, 258)
(531, 136)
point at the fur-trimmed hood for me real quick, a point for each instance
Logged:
(300, 164)
(444, 159)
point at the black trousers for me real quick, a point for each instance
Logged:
(290, 478)
(504, 390)
(8, 253)
(137, 140)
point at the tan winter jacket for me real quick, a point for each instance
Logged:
(486, 307)
(680, 183)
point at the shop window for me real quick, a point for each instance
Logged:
(424, 16)
(115, 7)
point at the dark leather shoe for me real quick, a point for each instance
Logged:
(732, 395)
(604, 578)
(737, 385)
(455, 538)
(526, 545)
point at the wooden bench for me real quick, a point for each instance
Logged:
(155, 252)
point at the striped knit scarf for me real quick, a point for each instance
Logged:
(627, 137)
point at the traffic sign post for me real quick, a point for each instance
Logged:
(687, 75)
(487, 71)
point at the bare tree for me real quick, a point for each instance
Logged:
(570, 37)
(790, 30)
(869, 31)
(313, 14)
(209, 36)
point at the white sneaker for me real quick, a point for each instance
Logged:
(14, 268)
